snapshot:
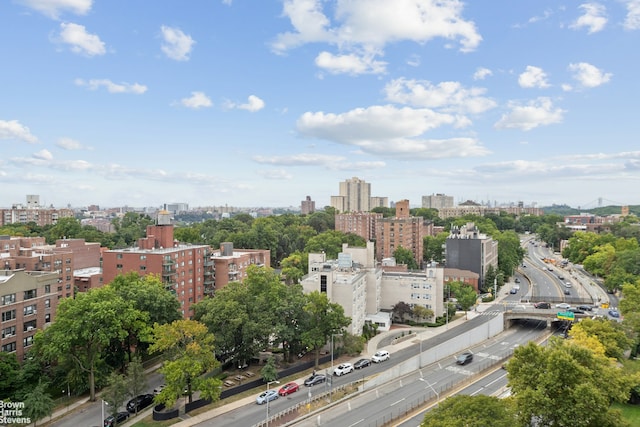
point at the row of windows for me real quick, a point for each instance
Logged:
(418, 296)
(11, 347)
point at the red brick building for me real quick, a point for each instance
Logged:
(363, 224)
(231, 264)
(186, 270)
(403, 230)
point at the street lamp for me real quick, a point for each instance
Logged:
(102, 403)
(267, 396)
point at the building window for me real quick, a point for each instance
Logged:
(426, 296)
(47, 289)
(415, 285)
(8, 315)
(8, 299)
(30, 294)
(323, 283)
(118, 265)
(143, 267)
(28, 310)
(8, 332)
(415, 296)
(59, 288)
(9, 347)
(426, 286)
(47, 318)
(143, 257)
(47, 303)
(27, 341)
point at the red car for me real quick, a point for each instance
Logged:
(288, 389)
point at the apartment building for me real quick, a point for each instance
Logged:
(186, 270)
(468, 249)
(366, 291)
(33, 212)
(437, 201)
(28, 302)
(231, 264)
(307, 206)
(363, 224)
(403, 230)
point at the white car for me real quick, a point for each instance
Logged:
(563, 305)
(380, 356)
(343, 368)
(567, 285)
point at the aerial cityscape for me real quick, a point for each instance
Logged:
(248, 104)
(319, 212)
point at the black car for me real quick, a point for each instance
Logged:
(576, 311)
(315, 379)
(585, 307)
(119, 418)
(139, 402)
(362, 363)
(567, 292)
(542, 305)
(464, 358)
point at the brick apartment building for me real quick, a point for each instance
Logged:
(231, 264)
(186, 270)
(403, 230)
(363, 224)
(28, 302)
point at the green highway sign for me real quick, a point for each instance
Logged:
(566, 315)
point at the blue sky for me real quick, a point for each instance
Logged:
(261, 103)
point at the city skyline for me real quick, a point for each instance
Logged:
(228, 102)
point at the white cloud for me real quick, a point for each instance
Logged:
(177, 45)
(53, 8)
(588, 75)
(12, 129)
(321, 160)
(447, 96)
(253, 104)
(367, 26)
(112, 87)
(482, 73)
(632, 20)
(593, 18)
(538, 112)
(276, 174)
(70, 144)
(80, 41)
(349, 64)
(196, 100)
(533, 77)
(43, 154)
(389, 131)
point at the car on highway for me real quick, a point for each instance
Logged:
(542, 305)
(266, 396)
(517, 280)
(464, 358)
(567, 284)
(566, 292)
(380, 356)
(362, 363)
(576, 311)
(315, 379)
(614, 313)
(139, 402)
(288, 388)
(343, 368)
(585, 307)
(563, 305)
(116, 420)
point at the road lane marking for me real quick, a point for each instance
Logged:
(396, 402)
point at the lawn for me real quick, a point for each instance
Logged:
(630, 413)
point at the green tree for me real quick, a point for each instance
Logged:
(609, 333)
(565, 384)
(188, 348)
(470, 411)
(269, 371)
(325, 318)
(136, 380)
(116, 392)
(401, 310)
(294, 267)
(464, 293)
(9, 374)
(38, 403)
(69, 228)
(330, 242)
(84, 328)
(422, 313)
(433, 247)
(405, 256)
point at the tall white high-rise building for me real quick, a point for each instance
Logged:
(355, 196)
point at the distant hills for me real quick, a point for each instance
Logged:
(600, 211)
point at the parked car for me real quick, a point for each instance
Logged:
(563, 305)
(343, 368)
(139, 402)
(119, 418)
(288, 388)
(315, 379)
(464, 358)
(585, 307)
(380, 356)
(266, 396)
(362, 363)
(159, 389)
(542, 305)
(614, 313)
